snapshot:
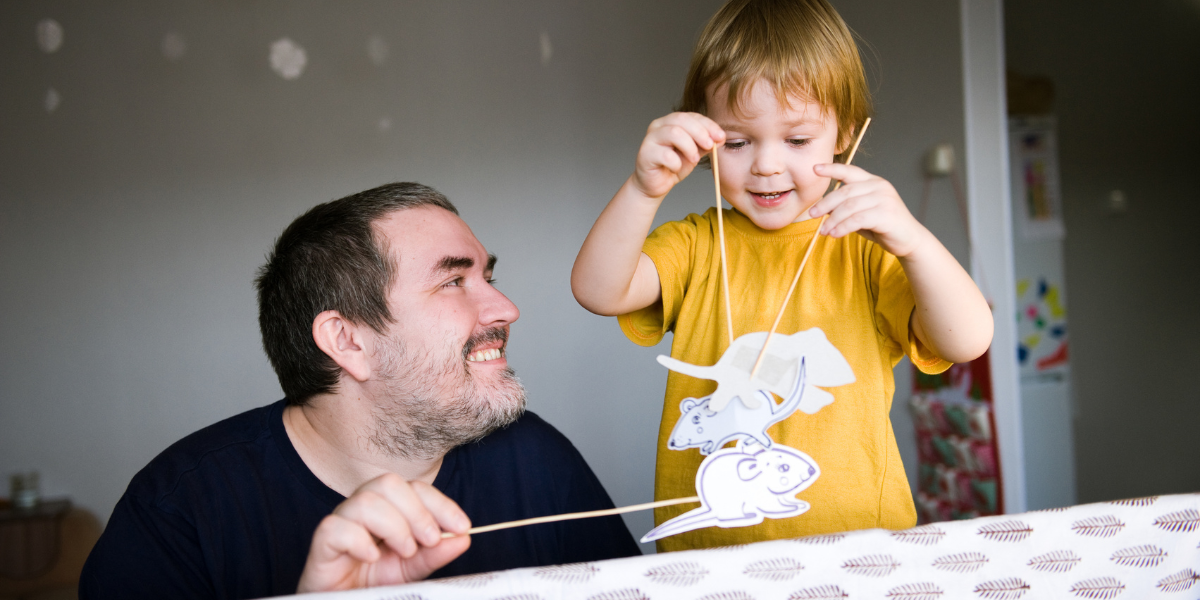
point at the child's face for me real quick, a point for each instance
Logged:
(770, 149)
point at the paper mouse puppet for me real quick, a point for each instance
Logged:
(825, 367)
(743, 485)
(699, 427)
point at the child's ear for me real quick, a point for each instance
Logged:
(844, 141)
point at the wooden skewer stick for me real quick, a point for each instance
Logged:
(721, 241)
(570, 516)
(762, 353)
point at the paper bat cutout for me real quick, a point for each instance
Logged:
(744, 485)
(826, 368)
(699, 427)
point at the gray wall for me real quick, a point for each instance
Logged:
(1127, 78)
(132, 218)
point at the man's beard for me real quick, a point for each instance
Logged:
(431, 403)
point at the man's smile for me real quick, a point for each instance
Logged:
(485, 355)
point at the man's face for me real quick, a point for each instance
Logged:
(441, 364)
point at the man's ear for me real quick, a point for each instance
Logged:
(342, 341)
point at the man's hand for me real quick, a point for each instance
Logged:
(388, 532)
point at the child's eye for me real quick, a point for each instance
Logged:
(735, 145)
(799, 142)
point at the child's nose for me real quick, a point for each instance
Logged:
(767, 162)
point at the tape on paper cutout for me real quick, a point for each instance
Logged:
(743, 486)
(825, 364)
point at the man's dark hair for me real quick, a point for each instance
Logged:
(330, 258)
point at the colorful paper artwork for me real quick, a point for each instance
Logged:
(757, 478)
(1035, 185)
(957, 456)
(1041, 327)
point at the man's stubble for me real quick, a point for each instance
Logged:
(431, 403)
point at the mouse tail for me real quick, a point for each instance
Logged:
(789, 405)
(693, 519)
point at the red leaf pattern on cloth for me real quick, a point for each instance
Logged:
(727, 596)
(823, 592)
(774, 569)
(470, 581)
(916, 591)
(1179, 521)
(1002, 589)
(1059, 561)
(1100, 588)
(1006, 531)
(1146, 555)
(829, 538)
(572, 573)
(925, 535)
(873, 565)
(1144, 501)
(626, 594)
(963, 562)
(1105, 526)
(1178, 582)
(683, 573)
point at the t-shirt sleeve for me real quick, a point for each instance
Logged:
(894, 306)
(671, 246)
(145, 552)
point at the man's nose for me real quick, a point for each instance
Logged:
(496, 309)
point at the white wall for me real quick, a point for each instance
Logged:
(133, 217)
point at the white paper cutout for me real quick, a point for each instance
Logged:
(546, 49)
(757, 479)
(377, 50)
(699, 427)
(53, 99)
(288, 58)
(744, 485)
(49, 35)
(174, 46)
(826, 368)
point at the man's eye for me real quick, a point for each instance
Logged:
(735, 145)
(456, 282)
(491, 281)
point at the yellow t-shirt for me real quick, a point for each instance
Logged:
(857, 293)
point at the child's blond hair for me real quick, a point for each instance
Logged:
(802, 47)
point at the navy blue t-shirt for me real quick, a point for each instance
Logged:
(229, 511)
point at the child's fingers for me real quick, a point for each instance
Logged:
(842, 172)
(683, 140)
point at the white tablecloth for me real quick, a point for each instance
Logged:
(1141, 548)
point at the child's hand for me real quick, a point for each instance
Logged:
(869, 205)
(673, 146)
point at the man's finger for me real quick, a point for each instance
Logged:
(403, 497)
(447, 513)
(381, 518)
(429, 560)
(337, 535)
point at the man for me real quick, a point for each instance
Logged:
(401, 421)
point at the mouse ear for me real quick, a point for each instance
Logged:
(747, 469)
(687, 404)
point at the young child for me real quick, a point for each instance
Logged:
(777, 87)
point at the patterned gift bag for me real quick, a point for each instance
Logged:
(957, 459)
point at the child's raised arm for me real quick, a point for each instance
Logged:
(951, 318)
(611, 275)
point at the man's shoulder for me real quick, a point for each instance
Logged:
(223, 445)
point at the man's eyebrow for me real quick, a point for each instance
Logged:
(453, 263)
(458, 263)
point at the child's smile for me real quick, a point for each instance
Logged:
(768, 157)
